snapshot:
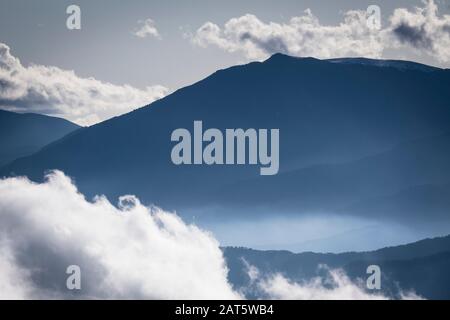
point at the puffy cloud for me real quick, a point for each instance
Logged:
(304, 35)
(423, 30)
(13, 279)
(334, 286)
(278, 287)
(147, 29)
(129, 251)
(301, 36)
(53, 91)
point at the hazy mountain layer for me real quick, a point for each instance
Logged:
(24, 134)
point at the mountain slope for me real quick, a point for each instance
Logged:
(421, 266)
(408, 182)
(327, 113)
(398, 64)
(24, 134)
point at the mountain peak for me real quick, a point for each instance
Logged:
(397, 64)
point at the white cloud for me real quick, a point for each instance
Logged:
(278, 287)
(13, 279)
(301, 36)
(336, 286)
(126, 252)
(53, 91)
(422, 29)
(147, 29)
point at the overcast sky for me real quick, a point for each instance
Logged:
(158, 46)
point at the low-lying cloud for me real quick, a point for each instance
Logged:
(56, 92)
(336, 287)
(301, 36)
(128, 251)
(334, 284)
(421, 30)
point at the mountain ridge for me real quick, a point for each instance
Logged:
(22, 134)
(131, 153)
(402, 266)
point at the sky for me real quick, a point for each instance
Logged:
(128, 54)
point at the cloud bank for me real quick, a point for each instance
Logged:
(301, 36)
(53, 91)
(147, 29)
(124, 252)
(421, 30)
(334, 284)
(336, 287)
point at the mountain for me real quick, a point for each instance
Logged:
(398, 64)
(24, 134)
(349, 132)
(421, 266)
(409, 182)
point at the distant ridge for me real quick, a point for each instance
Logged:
(22, 134)
(421, 266)
(398, 64)
(352, 131)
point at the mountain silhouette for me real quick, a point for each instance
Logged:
(421, 266)
(351, 130)
(24, 134)
(397, 64)
(408, 182)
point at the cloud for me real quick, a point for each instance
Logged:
(304, 35)
(301, 36)
(53, 91)
(127, 252)
(414, 36)
(334, 286)
(423, 30)
(278, 287)
(13, 279)
(147, 29)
